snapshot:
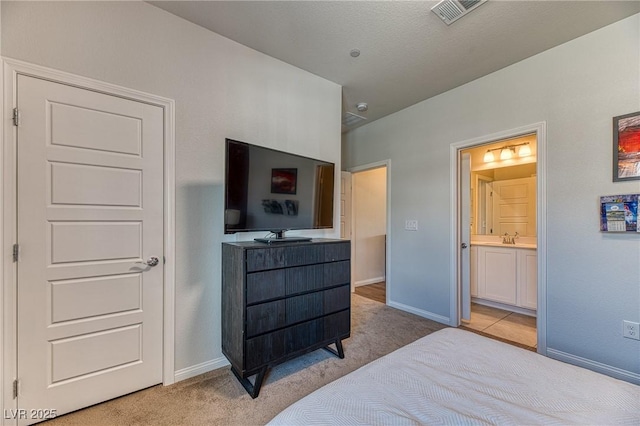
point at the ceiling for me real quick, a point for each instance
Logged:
(407, 53)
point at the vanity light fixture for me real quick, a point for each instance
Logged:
(488, 156)
(507, 152)
(524, 151)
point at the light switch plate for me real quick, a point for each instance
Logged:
(411, 225)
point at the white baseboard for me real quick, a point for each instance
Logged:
(618, 373)
(420, 312)
(369, 281)
(205, 367)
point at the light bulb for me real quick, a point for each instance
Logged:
(505, 154)
(524, 151)
(488, 157)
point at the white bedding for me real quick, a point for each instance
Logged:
(457, 377)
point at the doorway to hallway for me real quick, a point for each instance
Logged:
(369, 231)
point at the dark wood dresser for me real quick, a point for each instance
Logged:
(282, 300)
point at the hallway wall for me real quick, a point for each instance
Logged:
(370, 221)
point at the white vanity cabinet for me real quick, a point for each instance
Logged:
(506, 275)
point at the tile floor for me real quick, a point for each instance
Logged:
(505, 325)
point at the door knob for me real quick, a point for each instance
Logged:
(153, 261)
(463, 245)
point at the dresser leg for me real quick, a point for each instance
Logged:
(339, 352)
(253, 389)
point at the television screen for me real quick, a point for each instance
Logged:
(269, 190)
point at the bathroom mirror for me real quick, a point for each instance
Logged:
(504, 201)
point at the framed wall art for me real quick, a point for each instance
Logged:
(626, 147)
(619, 213)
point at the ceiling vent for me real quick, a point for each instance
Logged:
(350, 119)
(452, 10)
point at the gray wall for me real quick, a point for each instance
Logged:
(593, 279)
(222, 90)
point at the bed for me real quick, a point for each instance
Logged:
(457, 377)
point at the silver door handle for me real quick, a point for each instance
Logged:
(463, 245)
(153, 261)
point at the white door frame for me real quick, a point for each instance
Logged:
(8, 315)
(344, 177)
(387, 256)
(540, 129)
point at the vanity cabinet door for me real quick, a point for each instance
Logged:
(497, 274)
(527, 279)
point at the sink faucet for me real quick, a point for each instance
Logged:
(509, 239)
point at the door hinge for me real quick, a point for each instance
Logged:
(15, 388)
(16, 117)
(16, 252)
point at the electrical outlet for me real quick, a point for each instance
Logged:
(411, 225)
(631, 330)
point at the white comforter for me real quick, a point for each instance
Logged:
(457, 377)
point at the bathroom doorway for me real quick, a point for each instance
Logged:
(497, 234)
(369, 188)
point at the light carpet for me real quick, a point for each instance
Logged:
(217, 398)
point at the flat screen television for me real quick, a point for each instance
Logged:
(275, 191)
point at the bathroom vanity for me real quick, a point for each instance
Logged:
(505, 274)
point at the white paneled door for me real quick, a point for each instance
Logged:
(90, 212)
(514, 206)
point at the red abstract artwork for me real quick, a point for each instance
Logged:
(626, 134)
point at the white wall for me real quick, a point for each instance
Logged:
(370, 225)
(592, 278)
(222, 90)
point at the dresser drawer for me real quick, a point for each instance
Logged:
(304, 278)
(303, 335)
(261, 259)
(337, 273)
(304, 255)
(337, 325)
(336, 299)
(337, 251)
(304, 307)
(264, 349)
(265, 285)
(266, 317)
